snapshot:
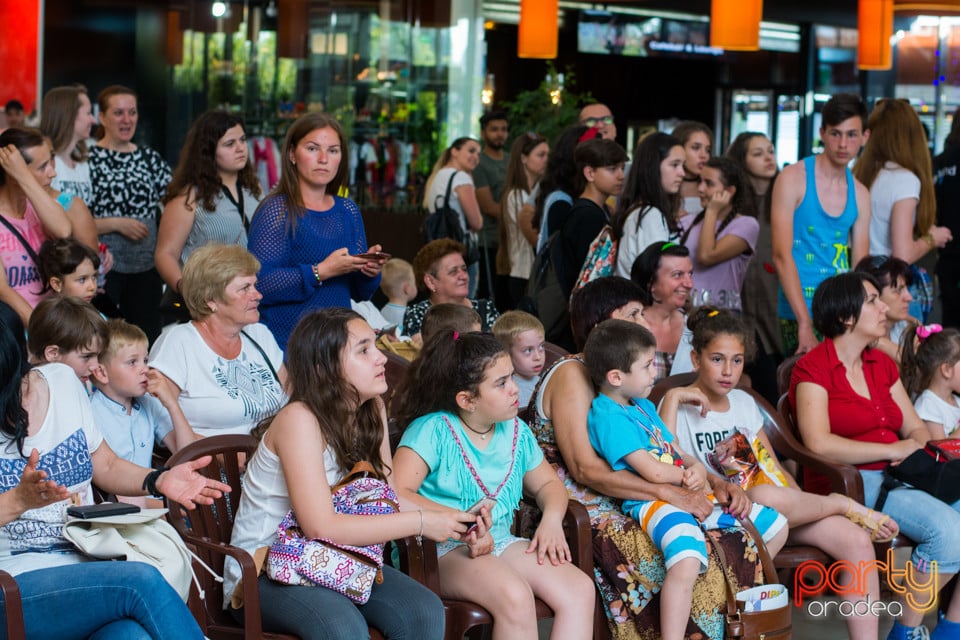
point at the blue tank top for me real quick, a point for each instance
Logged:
(820, 241)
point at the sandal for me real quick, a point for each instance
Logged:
(870, 522)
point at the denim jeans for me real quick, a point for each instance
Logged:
(400, 608)
(935, 525)
(102, 600)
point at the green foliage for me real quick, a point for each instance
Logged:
(533, 110)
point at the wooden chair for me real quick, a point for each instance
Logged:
(552, 353)
(396, 370)
(13, 606)
(207, 531)
(462, 616)
(784, 371)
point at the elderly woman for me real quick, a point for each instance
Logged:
(51, 453)
(852, 407)
(440, 269)
(228, 367)
(895, 277)
(627, 566)
(664, 272)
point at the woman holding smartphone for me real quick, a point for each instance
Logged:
(308, 239)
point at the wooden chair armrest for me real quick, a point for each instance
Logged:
(13, 606)
(576, 526)
(844, 478)
(419, 561)
(248, 574)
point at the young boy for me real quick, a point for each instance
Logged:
(132, 404)
(626, 431)
(521, 334)
(398, 284)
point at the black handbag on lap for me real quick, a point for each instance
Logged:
(922, 470)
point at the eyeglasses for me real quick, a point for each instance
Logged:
(593, 122)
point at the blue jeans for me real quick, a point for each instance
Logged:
(934, 524)
(102, 600)
(400, 608)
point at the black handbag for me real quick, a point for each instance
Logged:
(444, 222)
(922, 470)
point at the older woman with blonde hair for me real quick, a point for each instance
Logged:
(226, 364)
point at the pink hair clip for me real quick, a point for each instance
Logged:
(924, 331)
(456, 335)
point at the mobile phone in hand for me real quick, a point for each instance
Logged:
(474, 509)
(103, 509)
(376, 255)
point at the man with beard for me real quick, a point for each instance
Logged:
(488, 180)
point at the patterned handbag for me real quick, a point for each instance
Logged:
(296, 560)
(601, 258)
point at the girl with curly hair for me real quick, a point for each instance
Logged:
(212, 196)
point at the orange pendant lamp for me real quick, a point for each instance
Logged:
(735, 24)
(875, 27)
(538, 32)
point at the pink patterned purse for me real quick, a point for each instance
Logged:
(352, 571)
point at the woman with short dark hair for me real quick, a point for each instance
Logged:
(851, 406)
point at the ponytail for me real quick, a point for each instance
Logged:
(923, 350)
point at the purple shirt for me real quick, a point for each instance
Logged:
(727, 275)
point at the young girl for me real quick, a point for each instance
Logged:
(929, 368)
(697, 141)
(69, 268)
(841, 527)
(650, 201)
(335, 415)
(463, 443)
(65, 329)
(722, 236)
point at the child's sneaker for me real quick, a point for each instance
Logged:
(946, 630)
(900, 632)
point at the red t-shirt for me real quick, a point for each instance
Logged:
(874, 419)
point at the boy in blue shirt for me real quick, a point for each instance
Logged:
(133, 405)
(626, 431)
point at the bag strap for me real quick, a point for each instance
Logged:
(360, 470)
(769, 571)
(888, 484)
(264, 354)
(238, 203)
(446, 195)
(473, 470)
(26, 245)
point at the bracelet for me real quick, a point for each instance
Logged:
(420, 535)
(316, 273)
(150, 481)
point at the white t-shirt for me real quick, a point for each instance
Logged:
(74, 180)
(519, 250)
(892, 184)
(681, 359)
(698, 436)
(438, 188)
(932, 408)
(220, 396)
(65, 442)
(263, 504)
(653, 228)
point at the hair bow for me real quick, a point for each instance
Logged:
(924, 331)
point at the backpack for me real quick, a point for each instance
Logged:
(544, 297)
(601, 258)
(444, 222)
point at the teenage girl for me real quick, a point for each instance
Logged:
(721, 238)
(844, 529)
(697, 141)
(928, 367)
(463, 443)
(335, 415)
(69, 268)
(650, 203)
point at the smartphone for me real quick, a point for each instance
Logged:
(474, 509)
(377, 255)
(103, 509)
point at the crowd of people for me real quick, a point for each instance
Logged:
(145, 307)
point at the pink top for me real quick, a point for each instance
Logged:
(21, 271)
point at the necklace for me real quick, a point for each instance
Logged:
(482, 434)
